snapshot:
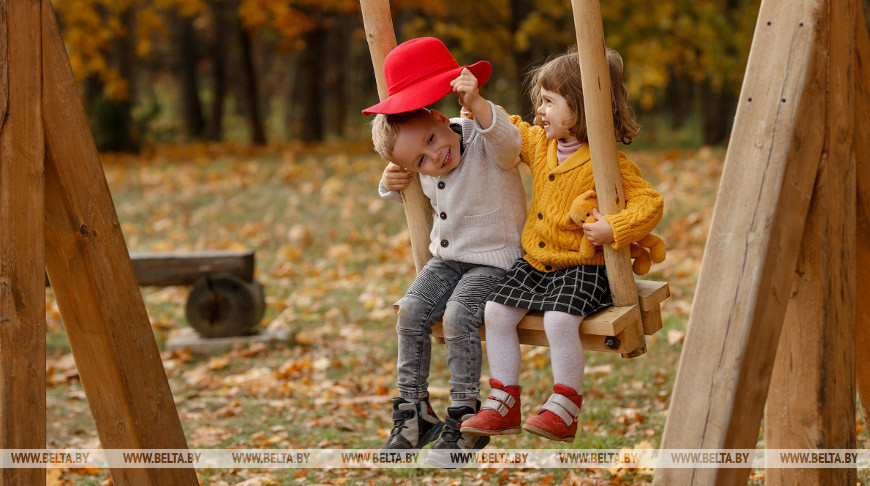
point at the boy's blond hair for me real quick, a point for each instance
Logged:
(385, 130)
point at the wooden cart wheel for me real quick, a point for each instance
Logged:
(223, 305)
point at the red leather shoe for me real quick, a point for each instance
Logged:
(499, 415)
(557, 419)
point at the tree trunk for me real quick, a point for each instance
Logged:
(309, 96)
(679, 99)
(292, 119)
(523, 60)
(188, 79)
(333, 77)
(219, 71)
(717, 114)
(128, 139)
(251, 95)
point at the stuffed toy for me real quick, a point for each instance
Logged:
(581, 212)
(650, 249)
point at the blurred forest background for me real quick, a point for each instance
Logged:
(259, 71)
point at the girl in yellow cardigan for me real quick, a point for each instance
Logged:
(554, 276)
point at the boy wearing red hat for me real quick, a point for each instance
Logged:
(469, 171)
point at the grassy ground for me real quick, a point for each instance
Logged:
(333, 258)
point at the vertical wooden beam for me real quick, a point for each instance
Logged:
(862, 161)
(4, 63)
(22, 284)
(97, 293)
(754, 240)
(811, 403)
(382, 39)
(595, 77)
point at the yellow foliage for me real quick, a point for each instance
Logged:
(115, 87)
(702, 40)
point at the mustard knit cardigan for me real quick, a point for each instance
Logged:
(551, 239)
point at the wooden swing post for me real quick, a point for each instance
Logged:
(861, 154)
(773, 318)
(811, 398)
(595, 78)
(53, 192)
(22, 304)
(382, 39)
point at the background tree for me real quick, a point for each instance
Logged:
(172, 70)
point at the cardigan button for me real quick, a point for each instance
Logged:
(441, 184)
(542, 244)
(540, 216)
(444, 243)
(552, 177)
(548, 268)
(443, 215)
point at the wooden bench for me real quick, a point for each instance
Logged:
(226, 300)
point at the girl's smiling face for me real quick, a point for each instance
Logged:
(556, 117)
(426, 144)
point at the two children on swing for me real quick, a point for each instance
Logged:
(549, 273)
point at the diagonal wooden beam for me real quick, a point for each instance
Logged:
(754, 240)
(22, 292)
(97, 293)
(811, 402)
(862, 160)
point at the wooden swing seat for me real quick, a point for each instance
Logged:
(611, 330)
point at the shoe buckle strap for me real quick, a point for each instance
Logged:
(500, 401)
(402, 414)
(567, 410)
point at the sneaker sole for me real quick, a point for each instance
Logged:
(543, 433)
(476, 431)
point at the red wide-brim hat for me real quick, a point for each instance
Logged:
(418, 73)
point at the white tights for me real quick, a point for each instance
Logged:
(503, 346)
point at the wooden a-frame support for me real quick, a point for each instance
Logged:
(56, 214)
(636, 311)
(774, 316)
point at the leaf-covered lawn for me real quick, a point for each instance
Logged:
(334, 257)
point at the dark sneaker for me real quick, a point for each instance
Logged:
(453, 447)
(414, 425)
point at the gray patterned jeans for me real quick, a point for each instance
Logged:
(457, 291)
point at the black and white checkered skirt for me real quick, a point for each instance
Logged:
(579, 291)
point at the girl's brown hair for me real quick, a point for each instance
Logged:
(562, 75)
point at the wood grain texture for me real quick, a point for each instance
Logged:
(97, 293)
(811, 402)
(759, 219)
(22, 293)
(418, 211)
(595, 77)
(862, 162)
(4, 64)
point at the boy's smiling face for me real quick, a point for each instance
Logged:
(426, 144)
